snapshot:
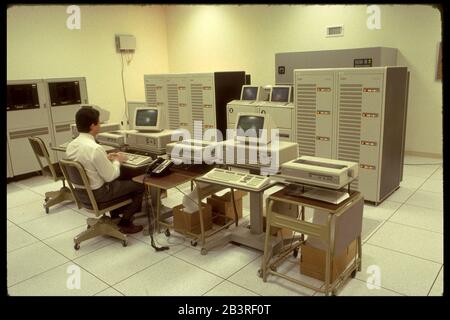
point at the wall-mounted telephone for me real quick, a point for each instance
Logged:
(159, 167)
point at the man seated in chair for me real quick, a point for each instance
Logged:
(103, 170)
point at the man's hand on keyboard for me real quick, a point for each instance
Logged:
(119, 156)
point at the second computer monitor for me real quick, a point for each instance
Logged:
(147, 119)
(250, 126)
(280, 94)
(250, 92)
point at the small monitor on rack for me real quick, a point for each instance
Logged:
(22, 96)
(64, 93)
(250, 92)
(280, 94)
(254, 128)
(147, 119)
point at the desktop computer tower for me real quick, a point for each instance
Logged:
(188, 97)
(355, 114)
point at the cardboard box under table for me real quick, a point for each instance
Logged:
(223, 206)
(190, 222)
(312, 261)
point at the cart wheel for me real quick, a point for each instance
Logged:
(295, 253)
(203, 252)
(353, 274)
(193, 243)
(124, 243)
(76, 246)
(167, 233)
(260, 273)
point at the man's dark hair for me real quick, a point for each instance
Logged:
(86, 116)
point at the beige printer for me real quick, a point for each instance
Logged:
(323, 172)
(191, 151)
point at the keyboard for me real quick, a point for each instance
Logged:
(136, 160)
(238, 179)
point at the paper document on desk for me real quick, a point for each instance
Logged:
(331, 196)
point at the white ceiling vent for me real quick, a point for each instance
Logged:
(335, 31)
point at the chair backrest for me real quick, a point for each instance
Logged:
(41, 152)
(77, 178)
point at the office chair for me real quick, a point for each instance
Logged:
(52, 170)
(78, 182)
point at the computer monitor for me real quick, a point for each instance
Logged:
(281, 94)
(250, 92)
(147, 119)
(249, 128)
(22, 96)
(64, 93)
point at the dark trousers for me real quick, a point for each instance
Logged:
(119, 189)
(124, 188)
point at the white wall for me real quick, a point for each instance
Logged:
(39, 45)
(246, 37)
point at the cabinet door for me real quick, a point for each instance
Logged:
(202, 102)
(22, 156)
(173, 112)
(280, 116)
(359, 127)
(313, 98)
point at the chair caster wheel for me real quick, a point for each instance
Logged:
(76, 246)
(295, 253)
(203, 252)
(353, 274)
(193, 243)
(124, 243)
(167, 233)
(260, 273)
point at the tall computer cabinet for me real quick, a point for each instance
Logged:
(44, 108)
(355, 114)
(27, 115)
(189, 97)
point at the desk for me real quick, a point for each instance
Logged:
(255, 236)
(178, 175)
(343, 225)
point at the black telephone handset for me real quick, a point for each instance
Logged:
(162, 169)
(159, 167)
(154, 164)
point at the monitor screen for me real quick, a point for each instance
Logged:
(249, 93)
(280, 94)
(22, 96)
(250, 122)
(64, 93)
(146, 118)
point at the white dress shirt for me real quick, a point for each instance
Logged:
(92, 156)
